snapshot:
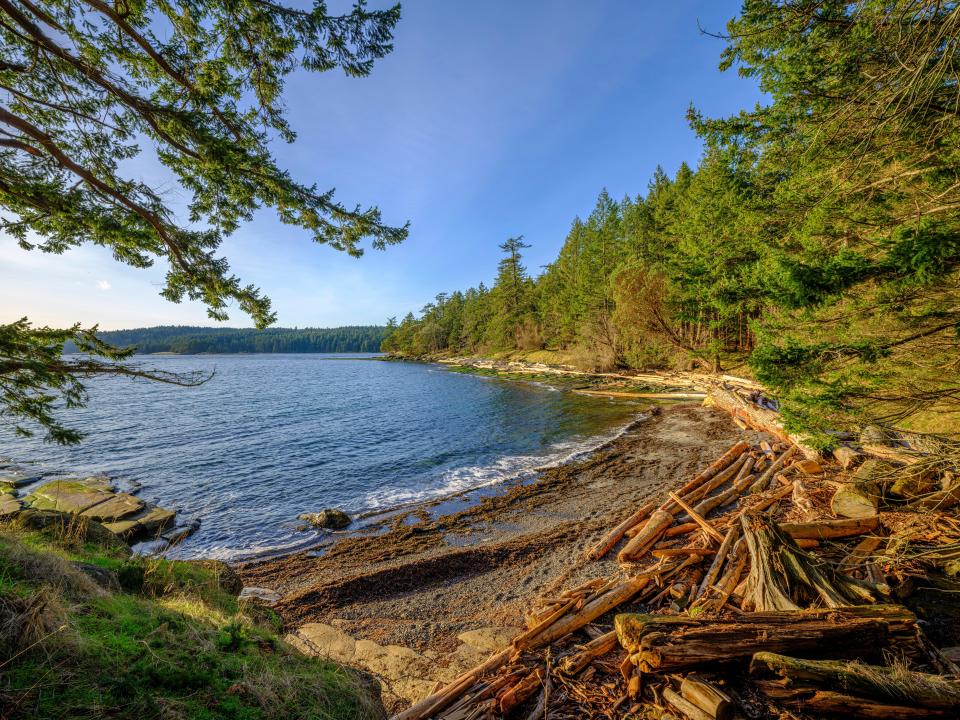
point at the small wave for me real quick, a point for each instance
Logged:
(507, 468)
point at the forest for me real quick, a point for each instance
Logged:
(187, 340)
(815, 245)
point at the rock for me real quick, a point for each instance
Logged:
(259, 595)
(150, 522)
(9, 505)
(488, 639)
(70, 496)
(181, 532)
(115, 508)
(107, 579)
(17, 479)
(330, 519)
(846, 456)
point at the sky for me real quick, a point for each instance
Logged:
(488, 120)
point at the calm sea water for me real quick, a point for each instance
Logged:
(273, 436)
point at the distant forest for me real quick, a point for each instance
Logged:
(193, 340)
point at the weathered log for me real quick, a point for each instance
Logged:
(776, 495)
(632, 627)
(719, 479)
(872, 681)
(520, 692)
(940, 500)
(681, 529)
(697, 518)
(765, 481)
(522, 641)
(830, 529)
(708, 697)
(732, 534)
(686, 707)
(740, 483)
(442, 699)
(719, 642)
(591, 611)
(784, 577)
(613, 537)
(859, 497)
(825, 703)
(720, 464)
(598, 647)
(861, 551)
(684, 551)
(730, 580)
(655, 526)
(757, 417)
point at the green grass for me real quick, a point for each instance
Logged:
(173, 644)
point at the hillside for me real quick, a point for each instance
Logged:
(187, 340)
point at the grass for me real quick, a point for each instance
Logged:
(172, 644)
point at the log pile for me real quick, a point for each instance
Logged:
(741, 595)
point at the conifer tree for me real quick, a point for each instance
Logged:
(85, 87)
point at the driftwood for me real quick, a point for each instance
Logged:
(859, 497)
(714, 571)
(826, 703)
(766, 480)
(708, 697)
(720, 478)
(784, 577)
(740, 483)
(572, 664)
(651, 532)
(725, 460)
(660, 645)
(613, 537)
(524, 689)
(698, 519)
(756, 417)
(830, 529)
(686, 707)
(871, 681)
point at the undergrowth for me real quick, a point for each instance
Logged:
(164, 639)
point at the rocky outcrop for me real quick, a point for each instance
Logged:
(329, 519)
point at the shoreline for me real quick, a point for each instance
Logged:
(430, 579)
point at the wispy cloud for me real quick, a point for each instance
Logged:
(103, 285)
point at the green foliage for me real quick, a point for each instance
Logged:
(193, 340)
(89, 86)
(179, 646)
(818, 238)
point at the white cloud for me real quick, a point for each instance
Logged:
(103, 285)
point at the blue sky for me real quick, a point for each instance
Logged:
(488, 120)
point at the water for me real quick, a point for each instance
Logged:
(273, 436)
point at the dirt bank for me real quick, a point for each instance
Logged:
(427, 579)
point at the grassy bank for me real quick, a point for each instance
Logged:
(86, 631)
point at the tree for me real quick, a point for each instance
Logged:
(84, 84)
(511, 296)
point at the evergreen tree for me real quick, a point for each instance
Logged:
(88, 85)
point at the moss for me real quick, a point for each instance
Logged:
(177, 646)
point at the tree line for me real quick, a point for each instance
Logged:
(816, 243)
(187, 340)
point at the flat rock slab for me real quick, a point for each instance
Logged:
(17, 479)
(91, 498)
(151, 522)
(115, 507)
(9, 505)
(488, 639)
(405, 673)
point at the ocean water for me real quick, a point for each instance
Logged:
(273, 436)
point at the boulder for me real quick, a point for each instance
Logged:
(149, 523)
(329, 519)
(17, 478)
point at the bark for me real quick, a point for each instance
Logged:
(766, 480)
(708, 697)
(687, 708)
(714, 572)
(784, 577)
(572, 664)
(825, 703)
(613, 537)
(697, 518)
(830, 529)
(872, 681)
(642, 541)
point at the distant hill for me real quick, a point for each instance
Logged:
(193, 340)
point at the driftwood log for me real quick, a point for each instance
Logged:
(708, 697)
(872, 681)
(784, 577)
